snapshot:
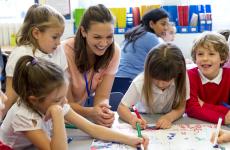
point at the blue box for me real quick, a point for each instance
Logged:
(193, 29)
(120, 30)
(182, 29)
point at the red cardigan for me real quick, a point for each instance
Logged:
(211, 94)
(4, 147)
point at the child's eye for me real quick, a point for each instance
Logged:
(55, 37)
(97, 37)
(109, 37)
(199, 54)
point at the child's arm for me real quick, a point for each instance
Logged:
(127, 116)
(11, 95)
(58, 140)
(166, 121)
(196, 108)
(103, 133)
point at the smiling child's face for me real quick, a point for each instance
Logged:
(208, 61)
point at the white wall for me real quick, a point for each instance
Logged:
(183, 41)
(220, 12)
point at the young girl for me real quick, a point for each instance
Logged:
(139, 40)
(39, 36)
(93, 58)
(160, 89)
(170, 33)
(3, 98)
(209, 82)
(42, 105)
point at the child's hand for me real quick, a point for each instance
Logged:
(133, 120)
(137, 141)
(53, 110)
(223, 137)
(200, 102)
(164, 122)
(227, 118)
(102, 115)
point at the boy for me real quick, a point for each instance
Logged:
(209, 82)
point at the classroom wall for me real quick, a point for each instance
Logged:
(184, 41)
(220, 9)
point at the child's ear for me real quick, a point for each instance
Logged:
(36, 32)
(222, 62)
(83, 33)
(33, 100)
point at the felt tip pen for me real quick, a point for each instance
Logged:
(217, 132)
(136, 112)
(139, 134)
(70, 126)
(226, 105)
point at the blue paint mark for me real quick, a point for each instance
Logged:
(171, 136)
(70, 139)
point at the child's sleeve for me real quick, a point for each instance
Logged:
(208, 112)
(11, 62)
(131, 97)
(24, 123)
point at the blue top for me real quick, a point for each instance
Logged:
(133, 59)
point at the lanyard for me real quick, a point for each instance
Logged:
(88, 89)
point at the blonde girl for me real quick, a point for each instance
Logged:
(39, 36)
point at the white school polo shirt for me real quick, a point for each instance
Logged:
(163, 100)
(58, 57)
(20, 118)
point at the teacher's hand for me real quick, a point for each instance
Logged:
(102, 115)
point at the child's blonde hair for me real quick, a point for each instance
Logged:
(40, 17)
(211, 39)
(36, 77)
(165, 62)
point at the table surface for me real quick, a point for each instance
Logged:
(82, 141)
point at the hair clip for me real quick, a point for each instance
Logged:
(33, 62)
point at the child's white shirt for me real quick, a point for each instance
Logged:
(163, 100)
(20, 118)
(58, 57)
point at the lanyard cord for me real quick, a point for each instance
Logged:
(88, 89)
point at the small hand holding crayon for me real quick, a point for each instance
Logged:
(140, 146)
(223, 137)
(137, 142)
(215, 145)
(137, 119)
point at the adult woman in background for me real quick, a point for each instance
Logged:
(140, 39)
